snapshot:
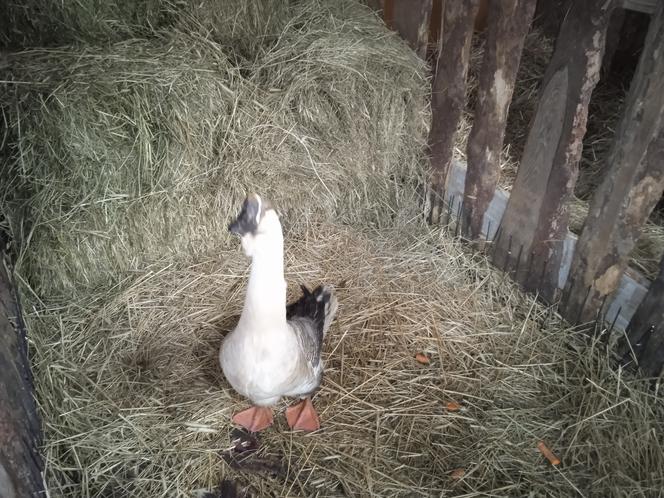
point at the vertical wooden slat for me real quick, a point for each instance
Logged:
(411, 20)
(509, 23)
(20, 431)
(646, 329)
(549, 15)
(448, 95)
(632, 186)
(536, 215)
(612, 39)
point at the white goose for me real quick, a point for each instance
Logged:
(275, 349)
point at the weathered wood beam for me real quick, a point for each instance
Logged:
(619, 307)
(633, 185)
(536, 219)
(645, 6)
(509, 21)
(645, 332)
(631, 188)
(20, 431)
(449, 93)
(411, 19)
(612, 39)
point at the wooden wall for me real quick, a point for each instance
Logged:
(21, 465)
(527, 231)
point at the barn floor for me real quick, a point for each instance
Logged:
(145, 411)
(132, 137)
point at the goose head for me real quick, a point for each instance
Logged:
(257, 225)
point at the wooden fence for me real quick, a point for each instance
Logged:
(21, 464)
(526, 232)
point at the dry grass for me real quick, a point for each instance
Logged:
(126, 161)
(136, 405)
(141, 149)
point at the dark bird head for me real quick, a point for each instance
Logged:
(257, 225)
(249, 218)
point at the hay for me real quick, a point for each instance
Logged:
(49, 23)
(135, 403)
(127, 160)
(142, 149)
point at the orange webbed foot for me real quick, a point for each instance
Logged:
(303, 416)
(254, 419)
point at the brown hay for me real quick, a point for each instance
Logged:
(127, 161)
(135, 403)
(143, 149)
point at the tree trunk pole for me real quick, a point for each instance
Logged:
(535, 221)
(449, 93)
(509, 21)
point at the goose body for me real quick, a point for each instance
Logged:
(275, 349)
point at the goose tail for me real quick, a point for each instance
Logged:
(320, 306)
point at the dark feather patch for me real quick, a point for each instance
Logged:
(311, 305)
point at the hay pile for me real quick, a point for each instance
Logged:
(136, 405)
(143, 148)
(126, 161)
(605, 111)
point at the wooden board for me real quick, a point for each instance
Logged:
(20, 433)
(623, 303)
(411, 19)
(448, 94)
(645, 6)
(536, 218)
(509, 24)
(632, 186)
(646, 330)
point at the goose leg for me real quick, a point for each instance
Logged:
(254, 419)
(303, 416)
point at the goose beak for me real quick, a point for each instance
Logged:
(247, 221)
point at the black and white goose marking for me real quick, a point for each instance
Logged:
(275, 349)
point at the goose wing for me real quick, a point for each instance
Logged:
(309, 338)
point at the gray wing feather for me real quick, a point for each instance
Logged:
(308, 337)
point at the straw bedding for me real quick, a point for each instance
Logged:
(136, 405)
(126, 163)
(143, 148)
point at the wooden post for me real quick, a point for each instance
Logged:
(646, 329)
(20, 431)
(549, 16)
(411, 19)
(509, 23)
(612, 39)
(633, 184)
(449, 93)
(535, 221)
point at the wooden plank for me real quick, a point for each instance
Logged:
(536, 219)
(509, 24)
(449, 93)
(411, 19)
(620, 307)
(612, 40)
(646, 330)
(549, 16)
(645, 6)
(20, 433)
(632, 186)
